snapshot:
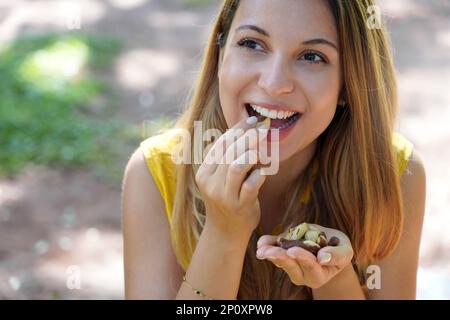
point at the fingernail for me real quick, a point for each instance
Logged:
(325, 257)
(259, 254)
(252, 120)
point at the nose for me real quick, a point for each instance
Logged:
(276, 78)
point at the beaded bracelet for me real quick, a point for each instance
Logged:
(196, 291)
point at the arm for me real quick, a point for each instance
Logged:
(230, 194)
(216, 267)
(151, 268)
(146, 235)
(399, 270)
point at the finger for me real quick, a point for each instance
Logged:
(266, 240)
(235, 149)
(216, 152)
(335, 256)
(260, 252)
(305, 268)
(237, 171)
(290, 266)
(305, 258)
(274, 251)
(250, 188)
(239, 146)
(261, 249)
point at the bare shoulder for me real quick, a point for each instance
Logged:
(146, 234)
(413, 184)
(399, 270)
(138, 186)
(136, 172)
(415, 171)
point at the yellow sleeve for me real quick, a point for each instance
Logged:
(404, 150)
(157, 151)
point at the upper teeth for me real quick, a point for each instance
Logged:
(273, 114)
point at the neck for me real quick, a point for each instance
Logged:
(272, 192)
(276, 185)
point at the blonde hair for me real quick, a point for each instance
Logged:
(357, 187)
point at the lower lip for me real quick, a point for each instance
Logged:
(282, 133)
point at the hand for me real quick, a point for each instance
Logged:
(303, 268)
(229, 193)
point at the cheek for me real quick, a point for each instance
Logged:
(324, 84)
(233, 78)
(322, 91)
(233, 75)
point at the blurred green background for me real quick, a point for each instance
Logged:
(47, 113)
(83, 82)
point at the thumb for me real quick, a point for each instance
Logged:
(335, 256)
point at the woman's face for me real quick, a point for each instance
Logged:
(282, 55)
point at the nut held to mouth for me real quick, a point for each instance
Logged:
(265, 122)
(307, 237)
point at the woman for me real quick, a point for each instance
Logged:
(340, 166)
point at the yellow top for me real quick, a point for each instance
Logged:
(158, 150)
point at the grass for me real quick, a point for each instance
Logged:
(53, 110)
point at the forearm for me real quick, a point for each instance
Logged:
(215, 268)
(345, 285)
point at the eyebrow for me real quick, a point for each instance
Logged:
(265, 33)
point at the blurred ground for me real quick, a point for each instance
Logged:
(52, 219)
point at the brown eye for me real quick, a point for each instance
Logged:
(313, 57)
(250, 44)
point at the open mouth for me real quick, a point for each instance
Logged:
(275, 122)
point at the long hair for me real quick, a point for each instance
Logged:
(356, 188)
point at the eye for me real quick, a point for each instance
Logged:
(313, 57)
(250, 44)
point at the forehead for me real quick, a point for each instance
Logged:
(288, 17)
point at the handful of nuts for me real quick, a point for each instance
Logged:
(307, 237)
